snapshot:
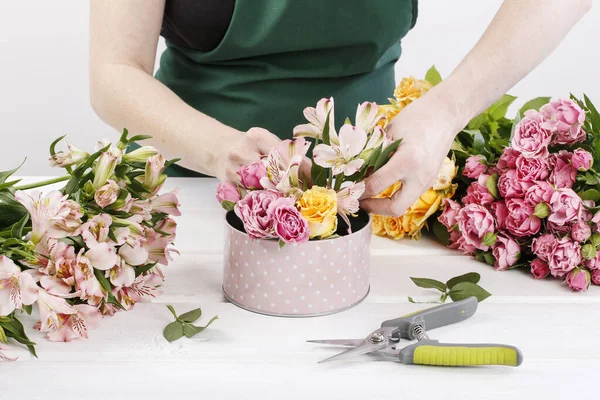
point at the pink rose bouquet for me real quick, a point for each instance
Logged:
(93, 248)
(530, 194)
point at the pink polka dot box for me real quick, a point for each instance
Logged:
(315, 278)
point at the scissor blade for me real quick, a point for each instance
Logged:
(339, 342)
(364, 348)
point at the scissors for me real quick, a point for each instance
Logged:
(425, 351)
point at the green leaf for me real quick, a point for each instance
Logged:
(318, 175)
(192, 330)
(171, 162)
(53, 145)
(498, 109)
(479, 121)
(541, 210)
(144, 268)
(75, 240)
(492, 185)
(123, 138)
(107, 287)
(191, 316)
(433, 76)
(590, 178)
(441, 232)
(427, 283)
(588, 251)
(410, 300)
(173, 331)
(170, 307)
(591, 194)
(281, 244)
(326, 138)
(464, 290)
(138, 138)
(227, 205)
(17, 229)
(386, 154)
(7, 185)
(347, 121)
(28, 309)
(3, 338)
(478, 139)
(593, 114)
(515, 124)
(4, 175)
(489, 239)
(596, 239)
(489, 258)
(534, 104)
(472, 277)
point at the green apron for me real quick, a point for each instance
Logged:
(280, 56)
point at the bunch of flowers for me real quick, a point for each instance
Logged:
(415, 218)
(89, 250)
(533, 203)
(291, 198)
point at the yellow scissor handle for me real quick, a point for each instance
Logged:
(431, 352)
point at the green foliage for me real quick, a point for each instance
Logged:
(183, 324)
(13, 328)
(433, 76)
(457, 288)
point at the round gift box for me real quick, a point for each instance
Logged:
(315, 278)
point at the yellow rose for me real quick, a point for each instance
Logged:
(389, 192)
(446, 175)
(410, 89)
(319, 207)
(393, 227)
(423, 208)
(377, 225)
(389, 112)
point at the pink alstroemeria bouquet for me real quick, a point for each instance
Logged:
(89, 250)
(533, 202)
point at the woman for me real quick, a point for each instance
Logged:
(233, 65)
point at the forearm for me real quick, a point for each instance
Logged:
(125, 96)
(522, 34)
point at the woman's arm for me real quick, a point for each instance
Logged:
(522, 34)
(123, 41)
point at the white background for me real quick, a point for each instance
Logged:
(44, 68)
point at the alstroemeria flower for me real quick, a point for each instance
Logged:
(342, 158)
(133, 232)
(16, 288)
(86, 282)
(166, 203)
(140, 154)
(153, 177)
(98, 227)
(143, 208)
(69, 224)
(4, 357)
(122, 274)
(105, 167)
(133, 255)
(283, 166)
(107, 194)
(367, 116)
(72, 157)
(167, 227)
(44, 211)
(158, 248)
(143, 286)
(59, 276)
(316, 118)
(347, 200)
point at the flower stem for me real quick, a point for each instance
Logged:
(43, 183)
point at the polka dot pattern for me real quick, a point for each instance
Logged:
(314, 278)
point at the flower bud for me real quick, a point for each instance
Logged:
(588, 252)
(141, 154)
(104, 169)
(541, 210)
(72, 157)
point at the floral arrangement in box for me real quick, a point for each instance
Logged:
(530, 191)
(94, 248)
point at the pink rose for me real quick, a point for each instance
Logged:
(508, 159)
(252, 210)
(530, 138)
(542, 246)
(227, 192)
(596, 277)
(500, 213)
(564, 257)
(509, 185)
(582, 160)
(251, 175)
(289, 225)
(581, 231)
(539, 269)
(506, 252)
(565, 206)
(558, 230)
(474, 222)
(586, 215)
(465, 247)
(475, 166)
(541, 192)
(532, 169)
(565, 118)
(578, 280)
(594, 263)
(448, 217)
(455, 236)
(520, 221)
(563, 173)
(478, 194)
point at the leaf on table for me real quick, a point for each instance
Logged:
(464, 290)
(191, 316)
(173, 331)
(427, 283)
(190, 330)
(472, 277)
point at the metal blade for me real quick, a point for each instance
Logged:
(339, 342)
(364, 348)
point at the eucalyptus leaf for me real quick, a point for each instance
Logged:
(191, 316)
(173, 331)
(534, 104)
(427, 283)
(192, 330)
(464, 290)
(433, 76)
(472, 277)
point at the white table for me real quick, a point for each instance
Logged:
(250, 356)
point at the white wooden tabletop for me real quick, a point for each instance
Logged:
(250, 356)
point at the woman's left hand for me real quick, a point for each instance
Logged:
(427, 128)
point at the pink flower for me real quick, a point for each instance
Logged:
(565, 207)
(506, 252)
(596, 277)
(73, 156)
(582, 160)
(69, 224)
(448, 218)
(317, 116)
(520, 221)
(594, 263)
(542, 246)
(4, 357)
(44, 211)
(530, 138)
(474, 222)
(508, 159)
(122, 274)
(367, 116)
(143, 208)
(107, 194)
(16, 288)
(558, 230)
(250, 175)
(158, 248)
(478, 194)
(531, 169)
(500, 213)
(153, 177)
(539, 269)
(283, 167)
(167, 227)
(541, 192)
(88, 286)
(465, 247)
(563, 174)
(581, 231)
(347, 200)
(509, 185)
(343, 157)
(135, 256)
(252, 210)
(289, 225)
(475, 166)
(578, 280)
(167, 203)
(564, 256)
(455, 236)
(565, 118)
(143, 286)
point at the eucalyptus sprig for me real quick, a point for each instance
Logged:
(183, 324)
(457, 288)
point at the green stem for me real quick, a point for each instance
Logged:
(338, 181)
(43, 183)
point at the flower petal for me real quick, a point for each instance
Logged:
(102, 256)
(133, 255)
(324, 155)
(352, 141)
(308, 130)
(367, 116)
(353, 166)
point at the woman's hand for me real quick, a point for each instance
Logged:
(427, 128)
(240, 149)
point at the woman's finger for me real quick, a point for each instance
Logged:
(263, 140)
(398, 203)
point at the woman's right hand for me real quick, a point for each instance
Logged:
(241, 149)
